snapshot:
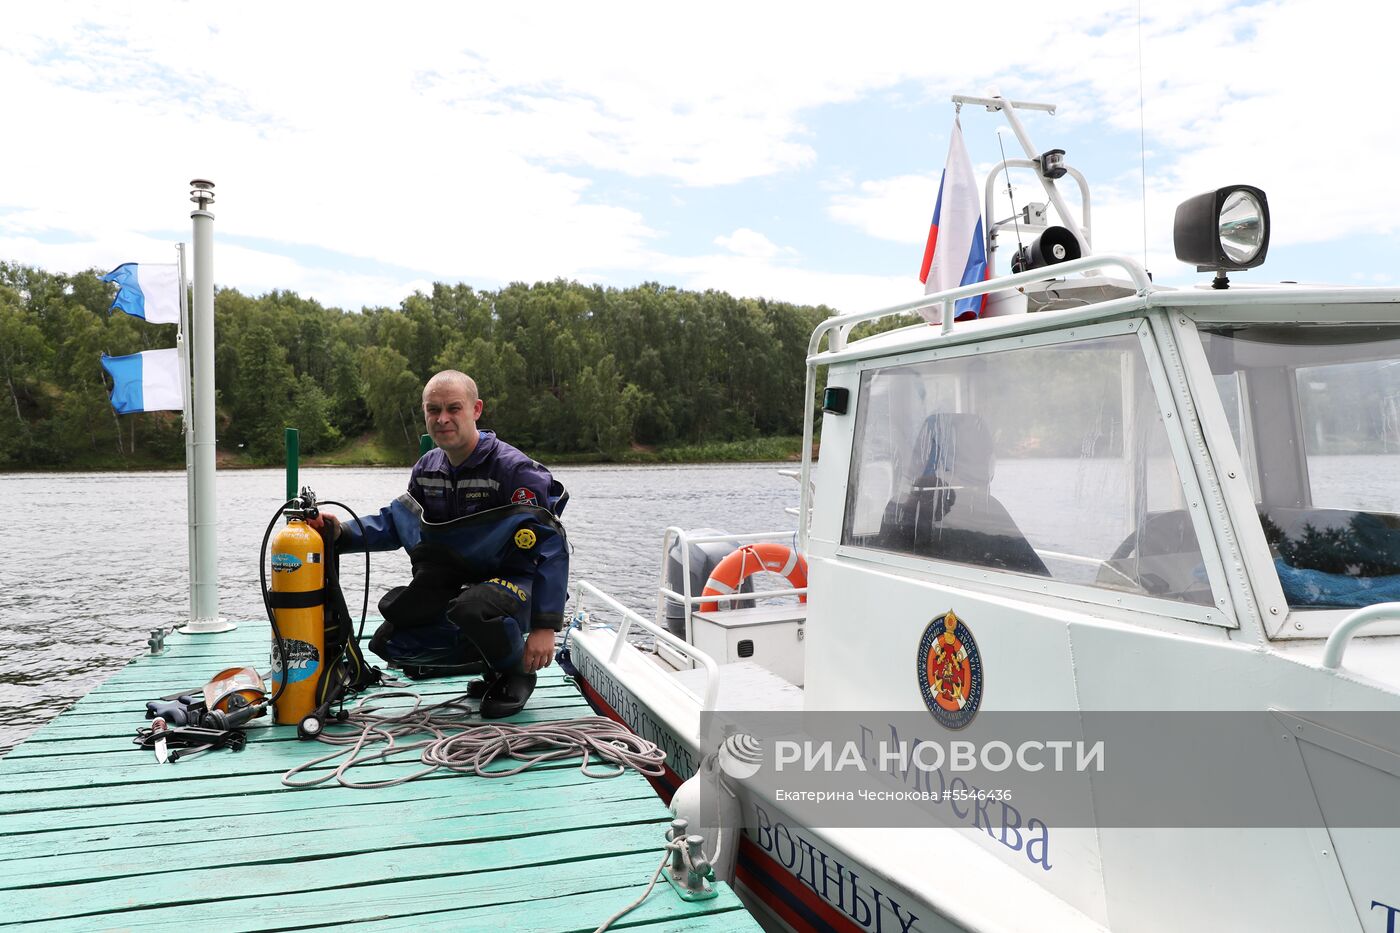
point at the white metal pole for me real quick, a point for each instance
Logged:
(182, 340)
(206, 581)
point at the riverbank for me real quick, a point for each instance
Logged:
(371, 451)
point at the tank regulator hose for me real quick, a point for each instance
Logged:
(267, 600)
(360, 526)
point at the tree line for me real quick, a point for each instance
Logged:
(563, 368)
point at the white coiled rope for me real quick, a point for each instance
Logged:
(457, 741)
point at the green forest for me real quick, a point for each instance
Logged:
(566, 371)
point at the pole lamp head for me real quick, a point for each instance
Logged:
(1224, 230)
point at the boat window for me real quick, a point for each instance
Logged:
(1315, 413)
(1048, 461)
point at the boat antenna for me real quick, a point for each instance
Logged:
(1020, 250)
(1142, 135)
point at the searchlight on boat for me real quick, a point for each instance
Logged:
(1223, 230)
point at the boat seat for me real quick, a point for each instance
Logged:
(949, 513)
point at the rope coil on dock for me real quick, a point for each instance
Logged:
(463, 744)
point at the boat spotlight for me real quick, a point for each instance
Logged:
(1056, 244)
(1223, 230)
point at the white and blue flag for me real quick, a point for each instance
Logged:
(148, 381)
(150, 291)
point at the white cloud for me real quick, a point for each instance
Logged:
(753, 245)
(757, 278)
(895, 209)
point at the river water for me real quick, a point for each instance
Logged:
(90, 563)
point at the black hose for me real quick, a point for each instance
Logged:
(364, 608)
(267, 603)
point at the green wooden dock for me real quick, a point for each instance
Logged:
(95, 835)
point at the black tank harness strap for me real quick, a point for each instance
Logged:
(303, 600)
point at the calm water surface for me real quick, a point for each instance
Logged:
(91, 562)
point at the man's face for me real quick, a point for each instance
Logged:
(451, 417)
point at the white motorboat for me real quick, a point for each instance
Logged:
(1173, 509)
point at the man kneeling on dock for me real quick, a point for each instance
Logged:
(490, 560)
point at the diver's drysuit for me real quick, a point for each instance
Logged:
(490, 561)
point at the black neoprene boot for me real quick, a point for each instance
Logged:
(508, 695)
(478, 688)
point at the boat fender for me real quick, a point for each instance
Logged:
(708, 803)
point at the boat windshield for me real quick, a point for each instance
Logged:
(1047, 461)
(1314, 411)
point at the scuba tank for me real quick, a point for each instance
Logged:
(298, 567)
(316, 657)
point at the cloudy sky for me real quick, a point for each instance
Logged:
(792, 151)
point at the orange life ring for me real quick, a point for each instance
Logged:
(750, 559)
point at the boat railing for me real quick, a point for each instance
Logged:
(1341, 636)
(678, 537)
(796, 476)
(840, 326)
(630, 619)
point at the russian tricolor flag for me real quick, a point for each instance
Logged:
(956, 253)
(150, 291)
(148, 381)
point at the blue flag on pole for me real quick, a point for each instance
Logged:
(150, 291)
(148, 381)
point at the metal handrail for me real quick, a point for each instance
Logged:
(631, 618)
(734, 597)
(1341, 636)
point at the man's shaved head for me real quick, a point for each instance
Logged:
(451, 377)
(450, 410)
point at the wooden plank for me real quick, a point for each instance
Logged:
(184, 884)
(248, 795)
(431, 902)
(122, 720)
(128, 762)
(582, 913)
(111, 732)
(323, 835)
(217, 823)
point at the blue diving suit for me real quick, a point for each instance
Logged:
(490, 560)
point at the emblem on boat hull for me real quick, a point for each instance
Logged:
(950, 671)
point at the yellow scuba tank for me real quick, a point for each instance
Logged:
(299, 572)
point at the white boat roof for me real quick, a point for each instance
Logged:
(1298, 304)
